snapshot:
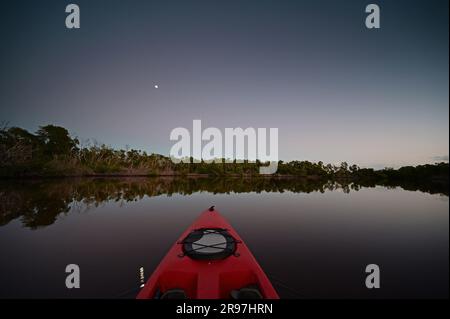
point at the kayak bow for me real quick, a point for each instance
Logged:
(209, 261)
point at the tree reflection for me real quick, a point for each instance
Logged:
(38, 203)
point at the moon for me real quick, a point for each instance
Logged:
(156, 86)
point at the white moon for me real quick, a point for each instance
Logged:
(156, 86)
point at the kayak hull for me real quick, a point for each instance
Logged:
(208, 279)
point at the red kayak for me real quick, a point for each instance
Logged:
(209, 261)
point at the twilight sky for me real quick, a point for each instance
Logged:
(336, 90)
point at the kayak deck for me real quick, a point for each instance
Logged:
(209, 261)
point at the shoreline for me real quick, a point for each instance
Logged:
(118, 175)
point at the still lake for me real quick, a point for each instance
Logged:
(313, 240)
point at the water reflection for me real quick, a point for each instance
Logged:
(39, 202)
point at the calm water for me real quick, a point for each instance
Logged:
(313, 240)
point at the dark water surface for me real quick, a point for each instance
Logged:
(314, 240)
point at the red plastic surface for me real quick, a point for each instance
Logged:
(203, 279)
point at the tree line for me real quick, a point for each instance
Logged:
(51, 151)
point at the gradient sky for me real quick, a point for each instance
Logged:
(336, 90)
